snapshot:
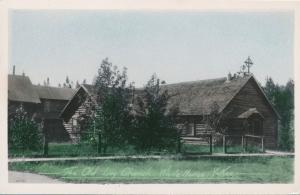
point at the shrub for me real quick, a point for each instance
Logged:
(23, 133)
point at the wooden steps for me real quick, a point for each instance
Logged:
(75, 138)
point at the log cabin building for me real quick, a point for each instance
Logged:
(241, 101)
(42, 104)
(76, 109)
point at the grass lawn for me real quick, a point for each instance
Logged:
(202, 170)
(203, 149)
(69, 150)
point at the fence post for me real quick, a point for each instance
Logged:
(179, 145)
(99, 143)
(224, 144)
(243, 143)
(210, 143)
(45, 146)
(262, 144)
(246, 143)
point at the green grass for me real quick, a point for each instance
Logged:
(204, 149)
(58, 150)
(202, 170)
(72, 150)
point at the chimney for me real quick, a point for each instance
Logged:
(14, 70)
(23, 74)
(229, 77)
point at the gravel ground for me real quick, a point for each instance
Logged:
(22, 177)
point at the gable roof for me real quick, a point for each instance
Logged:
(90, 89)
(54, 93)
(21, 89)
(249, 113)
(76, 101)
(192, 98)
(197, 97)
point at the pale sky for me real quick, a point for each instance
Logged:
(177, 45)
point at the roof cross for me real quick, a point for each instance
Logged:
(248, 64)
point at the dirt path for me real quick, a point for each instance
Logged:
(22, 177)
(279, 153)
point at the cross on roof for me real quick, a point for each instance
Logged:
(248, 63)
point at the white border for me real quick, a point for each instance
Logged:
(221, 5)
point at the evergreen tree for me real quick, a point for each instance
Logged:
(77, 85)
(155, 124)
(67, 83)
(282, 97)
(113, 99)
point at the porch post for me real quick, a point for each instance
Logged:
(243, 143)
(178, 145)
(262, 144)
(194, 133)
(210, 143)
(246, 143)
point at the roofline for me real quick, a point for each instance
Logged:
(235, 94)
(60, 88)
(25, 76)
(184, 82)
(261, 90)
(194, 81)
(85, 89)
(51, 87)
(60, 99)
(77, 90)
(32, 102)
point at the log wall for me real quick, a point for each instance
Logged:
(72, 126)
(250, 96)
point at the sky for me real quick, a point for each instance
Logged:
(176, 45)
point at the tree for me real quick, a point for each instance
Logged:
(270, 89)
(23, 132)
(113, 119)
(282, 98)
(67, 83)
(77, 85)
(215, 119)
(290, 91)
(155, 126)
(86, 122)
(67, 80)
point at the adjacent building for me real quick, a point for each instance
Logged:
(43, 104)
